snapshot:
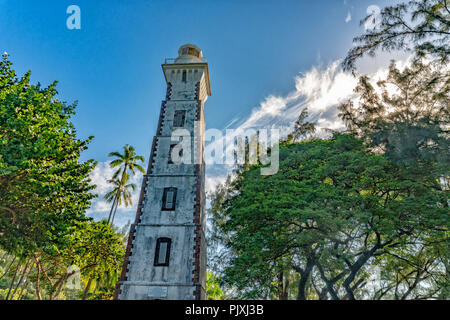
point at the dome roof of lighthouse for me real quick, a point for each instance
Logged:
(189, 53)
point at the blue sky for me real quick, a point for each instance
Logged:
(258, 51)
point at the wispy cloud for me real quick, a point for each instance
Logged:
(212, 181)
(321, 90)
(348, 18)
(100, 207)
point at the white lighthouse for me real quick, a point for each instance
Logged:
(166, 251)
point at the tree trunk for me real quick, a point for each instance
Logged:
(280, 285)
(286, 288)
(118, 194)
(25, 285)
(95, 288)
(38, 273)
(86, 290)
(112, 208)
(355, 268)
(13, 280)
(304, 276)
(59, 286)
(329, 283)
(21, 277)
(7, 269)
(114, 215)
(125, 167)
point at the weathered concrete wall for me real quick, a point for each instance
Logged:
(185, 200)
(177, 277)
(185, 276)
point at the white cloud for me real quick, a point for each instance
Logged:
(348, 18)
(100, 208)
(211, 182)
(321, 90)
(100, 176)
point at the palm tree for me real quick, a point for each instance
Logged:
(128, 161)
(118, 195)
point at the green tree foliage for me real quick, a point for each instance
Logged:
(405, 116)
(97, 252)
(49, 249)
(422, 26)
(43, 185)
(92, 256)
(213, 289)
(332, 213)
(302, 128)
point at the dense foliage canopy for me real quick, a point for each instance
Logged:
(45, 237)
(332, 213)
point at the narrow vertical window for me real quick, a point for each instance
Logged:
(180, 154)
(184, 76)
(162, 252)
(169, 199)
(179, 118)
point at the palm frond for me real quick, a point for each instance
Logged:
(116, 174)
(131, 185)
(115, 163)
(140, 168)
(140, 158)
(115, 154)
(109, 197)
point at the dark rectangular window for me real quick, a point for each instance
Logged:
(184, 76)
(169, 199)
(162, 253)
(179, 118)
(180, 154)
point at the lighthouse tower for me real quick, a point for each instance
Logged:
(166, 252)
